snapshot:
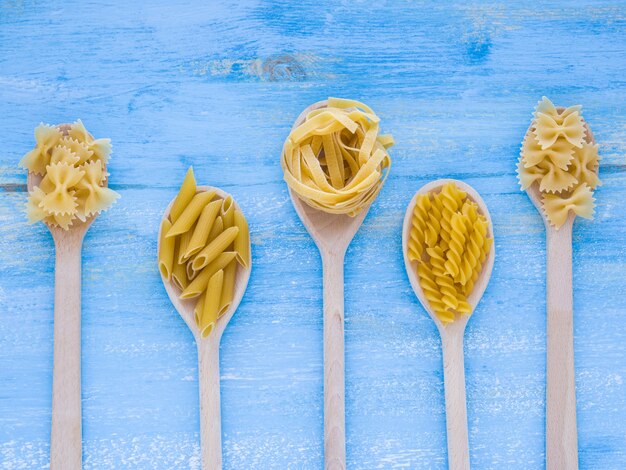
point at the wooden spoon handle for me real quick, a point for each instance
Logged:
(334, 380)
(210, 413)
(456, 408)
(561, 437)
(66, 435)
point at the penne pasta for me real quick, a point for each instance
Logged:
(185, 238)
(197, 311)
(166, 251)
(191, 274)
(179, 276)
(191, 213)
(242, 242)
(228, 287)
(215, 248)
(218, 227)
(211, 306)
(185, 195)
(227, 212)
(197, 286)
(203, 227)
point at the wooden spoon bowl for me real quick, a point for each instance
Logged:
(452, 333)
(208, 353)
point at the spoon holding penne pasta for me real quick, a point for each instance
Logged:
(447, 242)
(205, 266)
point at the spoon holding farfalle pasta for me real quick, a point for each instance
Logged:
(447, 242)
(67, 186)
(205, 264)
(558, 168)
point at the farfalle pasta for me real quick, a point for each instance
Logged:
(71, 165)
(558, 155)
(448, 243)
(336, 160)
(204, 240)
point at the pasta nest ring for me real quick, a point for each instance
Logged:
(336, 160)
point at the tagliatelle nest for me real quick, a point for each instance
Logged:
(336, 160)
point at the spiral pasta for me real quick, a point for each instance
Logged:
(71, 164)
(336, 160)
(449, 244)
(201, 251)
(558, 156)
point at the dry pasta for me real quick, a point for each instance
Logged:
(448, 244)
(336, 160)
(71, 164)
(558, 156)
(166, 251)
(202, 250)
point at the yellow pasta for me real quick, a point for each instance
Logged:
(207, 244)
(166, 251)
(448, 242)
(242, 242)
(73, 184)
(202, 230)
(185, 195)
(227, 212)
(191, 213)
(559, 157)
(211, 306)
(185, 238)
(336, 160)
(228, 288)
(214, 248)
(199, 283)
(218, 227)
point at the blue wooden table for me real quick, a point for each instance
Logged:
(217, 85)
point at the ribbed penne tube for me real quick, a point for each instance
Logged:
(214, 248)
(203, 227)
(197, 286)
(218, 227)
(197, 311)
(185, 195)
(166, 251)
(179, 276)
(183, 243)
(227, 212)
(228, 287)
(242, 242)
(191, 213)
(211, 305)
(191, 274)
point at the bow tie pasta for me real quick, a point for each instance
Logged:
(558, 155)
(449, 243)
(71, 164)
(336, 160)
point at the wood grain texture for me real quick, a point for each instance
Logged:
(218, 85)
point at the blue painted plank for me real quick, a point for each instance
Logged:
(217, 85)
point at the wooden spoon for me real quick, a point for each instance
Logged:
(332, 233)
(208, 356)
(561, 435)
(66, 434)
(452, 334)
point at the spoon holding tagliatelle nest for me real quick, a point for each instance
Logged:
(558, 169)
(335, 163)
(70, 170)
(191, 290)
(447, 241)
